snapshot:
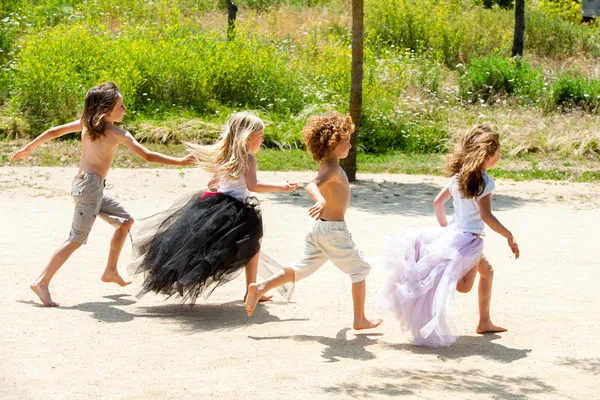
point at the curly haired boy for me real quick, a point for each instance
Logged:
(327, 138)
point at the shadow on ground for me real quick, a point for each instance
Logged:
(201, 317)
(338, 347)
(394, 198)
(450, 381)
(469, 346)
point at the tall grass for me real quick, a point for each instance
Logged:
(181, 77)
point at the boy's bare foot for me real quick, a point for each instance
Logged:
(252, 298)
(488, 327)
(114, 277)
(366, 324)
(44, 294)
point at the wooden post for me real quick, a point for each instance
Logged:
(356, 88)
(519, 35)
(232, 10)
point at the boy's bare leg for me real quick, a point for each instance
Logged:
(116, 245)
(40, 286)
(359, 292)
(256, 290)
(486, 277)
(251, 272)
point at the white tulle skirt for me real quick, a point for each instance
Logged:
(425, 265)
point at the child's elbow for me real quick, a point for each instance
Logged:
(149, 156)
(486, 217)
(253, 187)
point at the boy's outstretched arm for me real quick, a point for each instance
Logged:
(438, 205)
(313, 191)
(255, 186)
(485, 210)
(52, 133)
(129, 141)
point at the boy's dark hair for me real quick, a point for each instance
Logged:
(99, 101)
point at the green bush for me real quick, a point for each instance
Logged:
(380, 133)
(491, 77)
(155, 71)
(452, 30)
(571, 90)
(550, 35)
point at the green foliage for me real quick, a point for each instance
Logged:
(452, 30)
(491, 77)
(550, 35)
(505, 4)
(571, 90)
(155, 71)
(569, 10)
(181, 77)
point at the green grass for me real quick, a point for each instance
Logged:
(66, 153)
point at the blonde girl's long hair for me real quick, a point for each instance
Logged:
(468, 157)
(228, 157)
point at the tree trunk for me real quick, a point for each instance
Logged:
(356, 77)
(232, 10)
(519, 36)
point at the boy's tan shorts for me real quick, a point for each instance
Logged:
(91, 201)
(331, 240)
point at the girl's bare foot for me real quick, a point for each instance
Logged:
(44, 294)
(263, 298)
(489, 327)
(366, 324)
(252, 298)
(114, 277)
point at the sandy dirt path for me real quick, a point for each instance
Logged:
(104, 343)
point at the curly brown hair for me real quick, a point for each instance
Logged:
(467, 159)
(323, 133)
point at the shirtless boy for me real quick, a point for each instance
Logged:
(99, 141)
(327, 138)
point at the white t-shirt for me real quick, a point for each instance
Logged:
(466, 211)
(236, 189)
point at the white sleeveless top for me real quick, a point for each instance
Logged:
(236, 189)
(466, 211)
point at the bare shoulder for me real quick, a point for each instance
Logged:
(337, 173)
(328, 172)
(117, 133)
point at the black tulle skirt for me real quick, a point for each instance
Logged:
(201, 242)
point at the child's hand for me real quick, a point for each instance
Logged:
(288, 187)
(514, 247)
(23, 153)
(189, 159)
(316, 211)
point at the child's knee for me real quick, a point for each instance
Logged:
(74, 244)
(127, 224)
(485, 269)
(463, 286)
(290, 274)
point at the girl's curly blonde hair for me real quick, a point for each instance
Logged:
(467, 159)
(323, 133)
